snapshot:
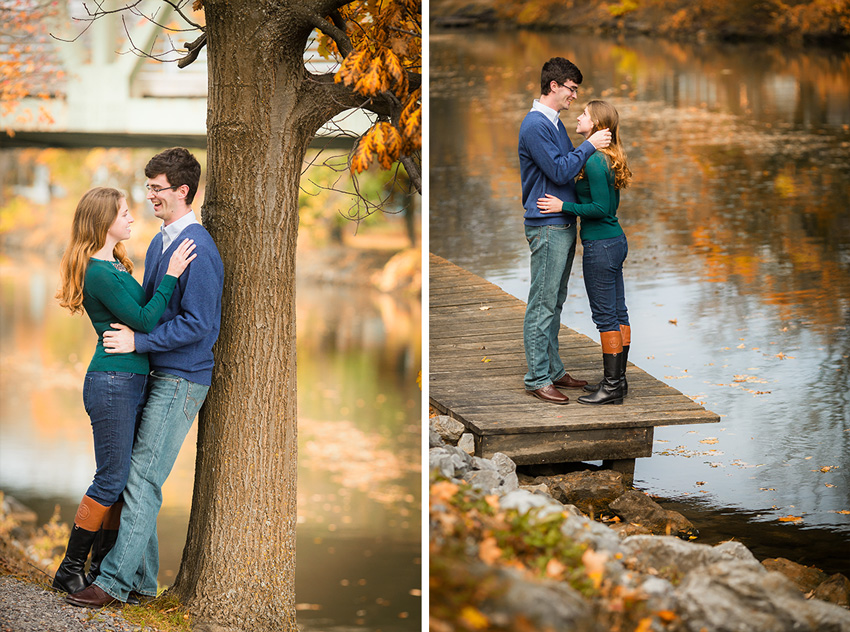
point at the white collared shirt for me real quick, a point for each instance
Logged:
(551, 114)
(173, 230)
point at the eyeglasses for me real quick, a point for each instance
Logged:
(156, 189)
(570, 88)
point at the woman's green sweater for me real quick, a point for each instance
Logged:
(597, 200)
(114, 296)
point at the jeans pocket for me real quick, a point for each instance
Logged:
(122, 376)
(195, 396)
(87, 386)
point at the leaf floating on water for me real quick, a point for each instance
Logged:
(674, 321)
(716, 465)
(782, 356)
(767, 489)
(843, 512)
(829, 484)
(791, 519)
(710, 440)
(826, 468)
(700, 483)
(741, 346)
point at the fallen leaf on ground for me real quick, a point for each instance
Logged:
(489, 550)
(484, 307)
(594, 565)
(486, 359)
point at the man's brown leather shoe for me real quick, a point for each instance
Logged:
(550, 394)
(566, 381)
(91, 597)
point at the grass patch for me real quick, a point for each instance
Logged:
(164, 614)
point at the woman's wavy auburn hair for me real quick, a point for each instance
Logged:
(96, 211)
(605, 116)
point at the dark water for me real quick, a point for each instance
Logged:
(738, 277)
(358, 535)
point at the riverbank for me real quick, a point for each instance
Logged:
(29, 555)
(512, 549)
(803, 22)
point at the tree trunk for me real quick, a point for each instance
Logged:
(238, 567)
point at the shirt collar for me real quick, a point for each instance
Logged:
(550, 114)
(173, 230)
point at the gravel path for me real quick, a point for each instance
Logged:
(25, 607)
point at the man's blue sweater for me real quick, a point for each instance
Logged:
(548, 163)
(181, 344)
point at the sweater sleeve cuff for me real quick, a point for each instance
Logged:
(587, 147)
(141, 341)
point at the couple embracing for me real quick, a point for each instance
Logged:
(553, 200)
(149, 375)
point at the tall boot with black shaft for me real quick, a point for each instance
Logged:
(610, 389)
(626, 334)
(70, 576)
(105, 540)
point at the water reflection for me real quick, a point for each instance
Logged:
(739, 263)
(358, 536)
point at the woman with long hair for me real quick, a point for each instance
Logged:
(605, 248)
(96, 278)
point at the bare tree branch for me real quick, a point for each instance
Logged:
(179, 9)
(194, 49)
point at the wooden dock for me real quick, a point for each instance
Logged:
(477, 363)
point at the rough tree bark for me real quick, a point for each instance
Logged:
(238, 566)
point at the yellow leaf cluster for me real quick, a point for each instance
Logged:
(387, 41)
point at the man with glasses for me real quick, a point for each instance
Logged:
(181, 361)
(548, 164)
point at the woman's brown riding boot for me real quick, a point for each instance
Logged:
(70, 576)
(626, 333)
(610, 389)
(105, 540)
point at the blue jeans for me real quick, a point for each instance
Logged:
(603, 279)
(133, 563)
(552, 251)
(114, 402)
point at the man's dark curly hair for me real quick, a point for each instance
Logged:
(179, 166)
(560, 70)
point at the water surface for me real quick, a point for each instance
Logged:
(738, 277)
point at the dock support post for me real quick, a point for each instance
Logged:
(625, 466)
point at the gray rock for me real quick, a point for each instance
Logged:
(734, 596)
(536, 489)
(592, 533)
(637, 507)
(449, 461)
(510, 483)
(544, 605)
(487, 480)
(448, 428)
(504, 464)
(484, 464)
(467, 443)
(434, 439)
(675, 558)
(523, 502)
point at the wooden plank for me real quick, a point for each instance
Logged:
(567, 447)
